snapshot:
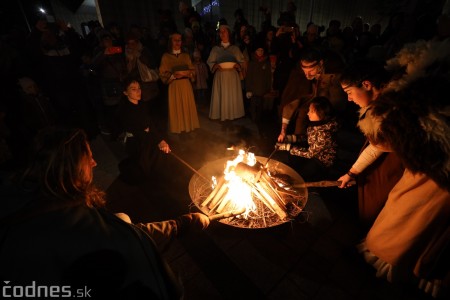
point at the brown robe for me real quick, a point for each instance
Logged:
(374, 185)
(416, 214)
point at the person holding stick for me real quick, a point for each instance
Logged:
(141, 137)
(55, 230)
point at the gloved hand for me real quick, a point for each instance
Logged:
(283, 146)
(290, 138)
(192, 221)
(248, 95)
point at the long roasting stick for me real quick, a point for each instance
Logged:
(270, 156)
(228, 214)
(325, 183)
(189, 166)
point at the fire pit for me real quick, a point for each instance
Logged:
(248, 192)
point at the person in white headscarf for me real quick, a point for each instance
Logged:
(225, 62)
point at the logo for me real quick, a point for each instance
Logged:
(33, 290)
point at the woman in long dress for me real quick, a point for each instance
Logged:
(177, 71)
(226, 97)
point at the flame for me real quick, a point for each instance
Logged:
(214, 182)
(239, 192)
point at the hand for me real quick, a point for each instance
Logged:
(248, 95)
(192, 221)
(216, 67)
(178, 75)
(345, 179)
(237, 67)
(164, 147)
(200, 220)
(281, 137)
(283, 146)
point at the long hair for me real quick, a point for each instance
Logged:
(60, 165)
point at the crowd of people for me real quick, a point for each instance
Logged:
(147, 91)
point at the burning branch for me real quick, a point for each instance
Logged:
(249, 192)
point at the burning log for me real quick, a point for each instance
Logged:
(274, 187)
(257, 176)
(248, 173)
(225, 205)
(252, 187)
(270, 201)
(216, 189)
(217, 199)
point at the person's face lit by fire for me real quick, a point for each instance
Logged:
(312, 113)
(87, 168)
(360, 95)
(313, 69)
(176, 42)
(133, 92)
(224, 35)
(259, 52)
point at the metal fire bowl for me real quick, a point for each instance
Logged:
(199, 189)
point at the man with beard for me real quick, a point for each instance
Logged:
(318, 77)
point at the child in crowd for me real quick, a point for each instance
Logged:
(258, 83)
(313, 160)
(201, 89)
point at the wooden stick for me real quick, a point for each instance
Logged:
(228, 214)
(325, 183)
(290, 193)
(218, 197)
(214, 191)
(223, 204)
(273, 187)
(189, 166)
(276, 198)
(270, 201)
(262, 199)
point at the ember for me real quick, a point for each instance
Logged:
(264, 196)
